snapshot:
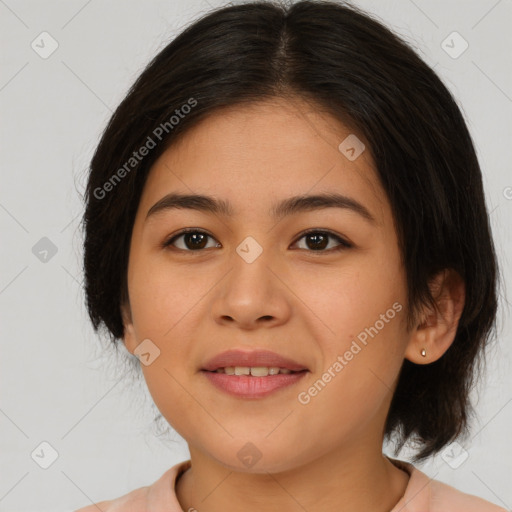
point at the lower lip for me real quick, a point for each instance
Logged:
(246, 386)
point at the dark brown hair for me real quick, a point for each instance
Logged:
(350, 65)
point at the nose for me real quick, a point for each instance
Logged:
(252, 294)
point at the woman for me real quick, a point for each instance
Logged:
(285, 223)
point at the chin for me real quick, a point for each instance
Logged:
(254, 458)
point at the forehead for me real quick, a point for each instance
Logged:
(260, 153)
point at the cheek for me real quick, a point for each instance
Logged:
(356, 381)
(357, 314)
(161, 305)
(162, 294)
(177, 406)
(346, 300)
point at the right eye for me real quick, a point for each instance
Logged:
(193, 240)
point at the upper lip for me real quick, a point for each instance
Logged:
(237, 357)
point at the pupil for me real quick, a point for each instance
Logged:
(319, 241)
(195, 237)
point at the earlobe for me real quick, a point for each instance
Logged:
(129, 338)
(435, 330)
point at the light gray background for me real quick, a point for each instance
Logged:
(55, 385)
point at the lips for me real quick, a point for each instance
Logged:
(255, 358)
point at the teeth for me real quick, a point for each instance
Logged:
(255, 371)
(259, 371)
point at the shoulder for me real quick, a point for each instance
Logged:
(157, 496)
(134, 501)
(446, 498)
(424, 494)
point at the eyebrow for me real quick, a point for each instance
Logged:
(289, 206)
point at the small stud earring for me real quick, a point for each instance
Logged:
(423, 352)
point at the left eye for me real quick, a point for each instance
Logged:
(319, 240)
(194, 240)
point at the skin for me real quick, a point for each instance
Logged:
(304, 304)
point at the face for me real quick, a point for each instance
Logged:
(332, 300)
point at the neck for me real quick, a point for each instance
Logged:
(344, 479)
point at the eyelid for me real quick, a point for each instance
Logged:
(343, 243)
(171, 238)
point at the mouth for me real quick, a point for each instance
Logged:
(251, 375)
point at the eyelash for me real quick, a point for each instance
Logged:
(343, 243)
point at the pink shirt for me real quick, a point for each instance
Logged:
(421, 495)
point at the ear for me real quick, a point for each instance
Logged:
(129, 338)
(436, 328)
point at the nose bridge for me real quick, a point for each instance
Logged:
(251, 290)
(250, 268)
